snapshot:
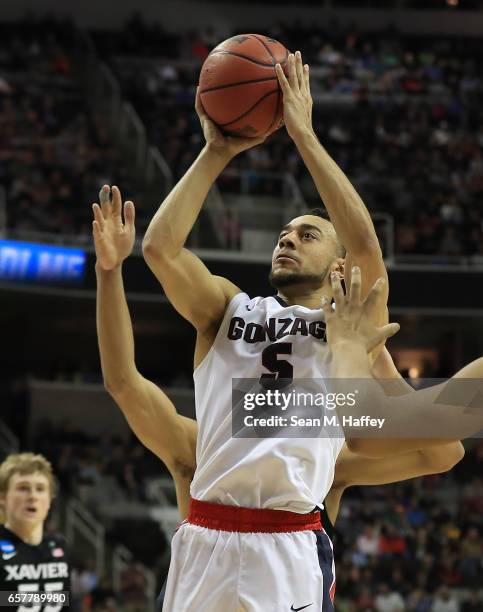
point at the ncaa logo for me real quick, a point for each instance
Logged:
(6, 546)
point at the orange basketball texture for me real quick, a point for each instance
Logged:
(239, 88)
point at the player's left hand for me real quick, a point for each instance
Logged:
(113, 238)
(297, 100)
(351, 320)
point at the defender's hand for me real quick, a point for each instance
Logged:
(297, 100)
(113, 239)
(351, 320)
(226, 146)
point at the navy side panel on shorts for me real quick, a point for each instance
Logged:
(326, 562)
(160, 599)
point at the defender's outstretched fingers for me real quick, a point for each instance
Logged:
(116, 201)
(374, 296)
(104, 199)
(292, 73)
(355, 287)
(299, 70)
(326, 306)
(129, 214)
(386, 332)
(96, 230)
(337, 290)
(98, 216)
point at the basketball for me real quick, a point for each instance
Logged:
(239, 88)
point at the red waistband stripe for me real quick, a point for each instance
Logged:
(250, 520)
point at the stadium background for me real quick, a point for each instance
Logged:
(103, 92)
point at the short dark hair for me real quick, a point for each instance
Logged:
(323, 214)
(319, 212)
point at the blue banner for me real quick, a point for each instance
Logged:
(41, 263)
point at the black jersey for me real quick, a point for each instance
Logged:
(43, 568)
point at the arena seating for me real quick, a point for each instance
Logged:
(401, 115)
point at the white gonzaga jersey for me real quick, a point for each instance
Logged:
(261, 337)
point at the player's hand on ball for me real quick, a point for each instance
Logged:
(351, 320)
(113, 238)
(297, 100)
(226, 146)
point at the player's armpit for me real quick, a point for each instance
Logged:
(153, 418)
(352, 469)
(198, 296)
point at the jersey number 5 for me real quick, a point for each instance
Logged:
(281, 370)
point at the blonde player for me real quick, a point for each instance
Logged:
(153, 417)
(32, 563)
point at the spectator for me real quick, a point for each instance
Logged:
(444, 601)
(388, 601)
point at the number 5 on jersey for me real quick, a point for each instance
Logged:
(281, 370)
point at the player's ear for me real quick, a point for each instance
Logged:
(338, 265)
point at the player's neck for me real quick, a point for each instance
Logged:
(27, 533)
(299, 297)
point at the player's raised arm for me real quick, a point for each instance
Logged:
(149, 412)
(347, 211)
(196, 294)
(442, 411)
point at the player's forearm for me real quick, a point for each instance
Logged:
(420, 420)
(172, 223)
(443, 458)
(347, 211)
(114, 330)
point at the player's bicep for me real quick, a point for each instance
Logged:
(198, 295)
(153, 418)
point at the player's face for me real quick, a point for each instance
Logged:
(306, 247)
(27, 500)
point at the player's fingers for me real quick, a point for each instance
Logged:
(299, 69)
(282, 79)
(96, 231)
(326, 306)
(307, 79)
(355, 287)
(129, 214)
(198, 105)
(98, 215)
(375, 295)
(337, 290)
(386, 332)
(292, 73)
(104, 199)
(116, 200)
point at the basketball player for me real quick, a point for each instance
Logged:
(250, 526)
(153, 417)
(31, 561)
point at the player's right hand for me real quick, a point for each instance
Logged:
(113, 238)
(350, 322)
(226, 146)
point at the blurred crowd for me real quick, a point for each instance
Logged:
(415, 546)
(401, 115)
(54, 152)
